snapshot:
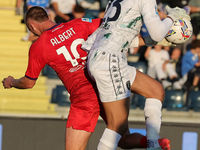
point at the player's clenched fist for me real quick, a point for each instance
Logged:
(7, 82)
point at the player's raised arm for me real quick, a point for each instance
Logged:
(157, 28)
(22, 83)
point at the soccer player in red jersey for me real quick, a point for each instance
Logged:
(59, 46)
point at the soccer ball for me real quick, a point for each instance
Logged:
(180, 31)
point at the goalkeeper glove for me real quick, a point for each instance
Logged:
(164, 42)
(176, 13)
(149, 42)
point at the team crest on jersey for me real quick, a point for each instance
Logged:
(86, 19)
(128, 85)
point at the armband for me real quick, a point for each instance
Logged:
(148, 41)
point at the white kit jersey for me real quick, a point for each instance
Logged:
(122, 23)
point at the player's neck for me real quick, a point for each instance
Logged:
(48, 24)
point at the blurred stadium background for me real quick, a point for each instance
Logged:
(35, 119)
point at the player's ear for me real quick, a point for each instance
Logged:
(32, 27)
(29, 26)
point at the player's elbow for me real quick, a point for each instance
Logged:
(28, 83)
(29, 86)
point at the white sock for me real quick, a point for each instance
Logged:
(152, 112)
(109, 140)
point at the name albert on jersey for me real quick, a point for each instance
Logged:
(62, 37)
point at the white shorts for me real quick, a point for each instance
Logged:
(112, 74)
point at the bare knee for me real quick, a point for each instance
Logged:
(148, 87)
(158, 92)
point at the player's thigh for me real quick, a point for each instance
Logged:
(76, 139)
(147, 86)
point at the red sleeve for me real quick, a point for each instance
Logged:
(36, 62)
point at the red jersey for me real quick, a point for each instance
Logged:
(60, 48)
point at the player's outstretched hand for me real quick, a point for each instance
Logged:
(176, 13)
(7, 82)
(164, 42)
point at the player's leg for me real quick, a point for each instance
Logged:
(83, 116)
(128, 141)
(135, 140)
(76, 139)
(154, 92)
(111, 75)
(117, 114)
(117, 123)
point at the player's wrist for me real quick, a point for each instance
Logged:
(13, 82)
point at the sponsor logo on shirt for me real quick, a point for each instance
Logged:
(86, 19)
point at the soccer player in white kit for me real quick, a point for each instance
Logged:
(107, 65)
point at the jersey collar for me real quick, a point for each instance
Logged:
(53, 27)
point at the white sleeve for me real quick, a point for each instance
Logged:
(158, 29)
(87, 45)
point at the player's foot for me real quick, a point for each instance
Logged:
(164, 143)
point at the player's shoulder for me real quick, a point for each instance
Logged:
(35, 46)
(38, 44)
(82, 20)
(85, 22)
